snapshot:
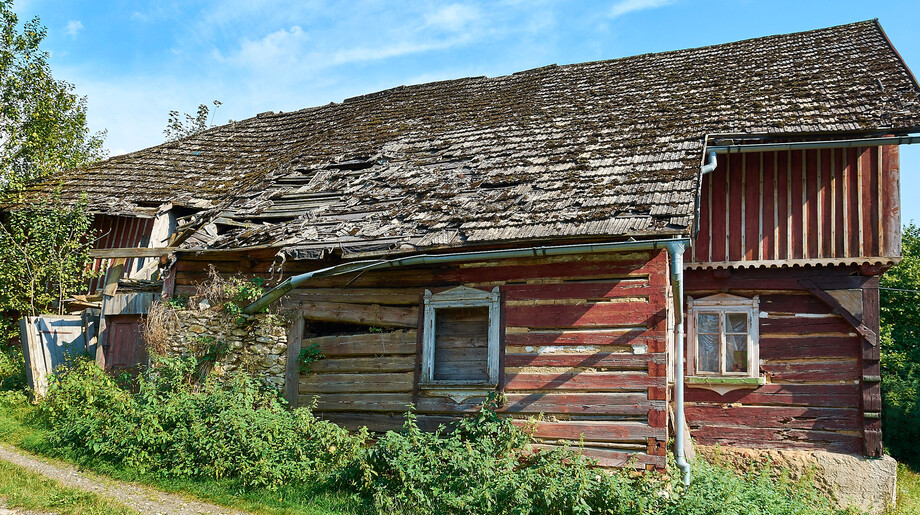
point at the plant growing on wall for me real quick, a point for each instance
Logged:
(44, 253)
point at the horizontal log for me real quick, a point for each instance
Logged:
(593, 431)
(811, 347)
(583, 315)
(563, 270)
(591, 338)
(586, 381)
(394, 342)
(368, 314)
(791, 417)
(598, 290)
(793, 303)
(697, 281)
(363, 364)
(387, 296)
(393, 402)
(840, 396)
(804, 325)
(337, 383)
(620, 403)
(595, 360)
(813, 371)
(135, 252)
(760, 438)
(613, 458)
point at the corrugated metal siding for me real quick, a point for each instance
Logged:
(118, 232)
(800, 205)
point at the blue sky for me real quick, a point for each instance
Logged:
(137, 60)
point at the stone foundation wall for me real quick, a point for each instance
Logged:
(866, 483)
(256, 344)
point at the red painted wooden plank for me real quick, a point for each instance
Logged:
(891, 201)
(592, 431)
(842, 396)
(585, 381)
(752, 206)
(735, 225)
(797, 219)
(852, 201)
(601, 290)
(782, 203)
(583, 403)
(769, 208)
(811, 207)
(614, 458)
(871, 228)
(658, 418)
(792, 417)
(719, 206)
(813, 347)
(792, 303)
(827, 241)
(776, 438)
(636, 336)
(839, 165)
(596, 360)
(603, 314)
(701, 244)
(813, 371)
(567, 269)
(804, 325)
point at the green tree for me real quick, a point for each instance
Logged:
(177, 128)
(900, 324)
(43, 126)
(44, 251)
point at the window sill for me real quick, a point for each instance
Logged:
(458, 391)
(722, 385)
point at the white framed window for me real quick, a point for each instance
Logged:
(722, 336)
(460, 337)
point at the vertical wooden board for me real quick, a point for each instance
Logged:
(824, 189)
(718, 227)
(752, 206)
(891, 201)
(838, 164)
(701, 244)
(291, 372)
(870, 201)
(782, 203)
(769, 206)
(811, 204)
(797, 219)
(736, 194)
(852, 201)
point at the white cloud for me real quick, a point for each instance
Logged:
(628, 6)
(280, 48)
(453, 17)
(73, 28)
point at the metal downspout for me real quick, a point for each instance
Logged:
(676, 253)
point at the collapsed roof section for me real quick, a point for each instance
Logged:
(586, 151)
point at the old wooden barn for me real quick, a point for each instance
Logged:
(566, 236)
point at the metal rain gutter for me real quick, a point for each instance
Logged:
(676, 255)
(430, 259)
(808, 145)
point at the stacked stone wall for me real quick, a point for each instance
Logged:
(256, 344)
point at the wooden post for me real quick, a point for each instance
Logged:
(291, 371)
(870, 382)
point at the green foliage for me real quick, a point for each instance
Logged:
(44, 252)
(179, 302)
(307, 357)
(177, 128)
(12, 370)
(234, 429)
(42, 122)
(900, 349)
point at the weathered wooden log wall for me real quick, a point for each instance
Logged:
(584, 348)
(821, 392)
(800, 205)
(117, 232)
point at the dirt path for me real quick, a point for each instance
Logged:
(141, 498)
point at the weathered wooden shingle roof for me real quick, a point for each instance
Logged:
(594, 150)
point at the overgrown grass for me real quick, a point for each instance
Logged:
(908, 502)
(21, 488)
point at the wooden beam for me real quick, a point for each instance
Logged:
(292, 372)
(868, 334)
(131, 252)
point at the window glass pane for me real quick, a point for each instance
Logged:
(736, 355)
(736, 322)
(707, 352)
(461, 344)
(707, 323)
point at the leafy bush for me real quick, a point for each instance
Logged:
(12, 369)
(232, 429)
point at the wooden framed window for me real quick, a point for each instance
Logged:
(460, 337)
(722, 336)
